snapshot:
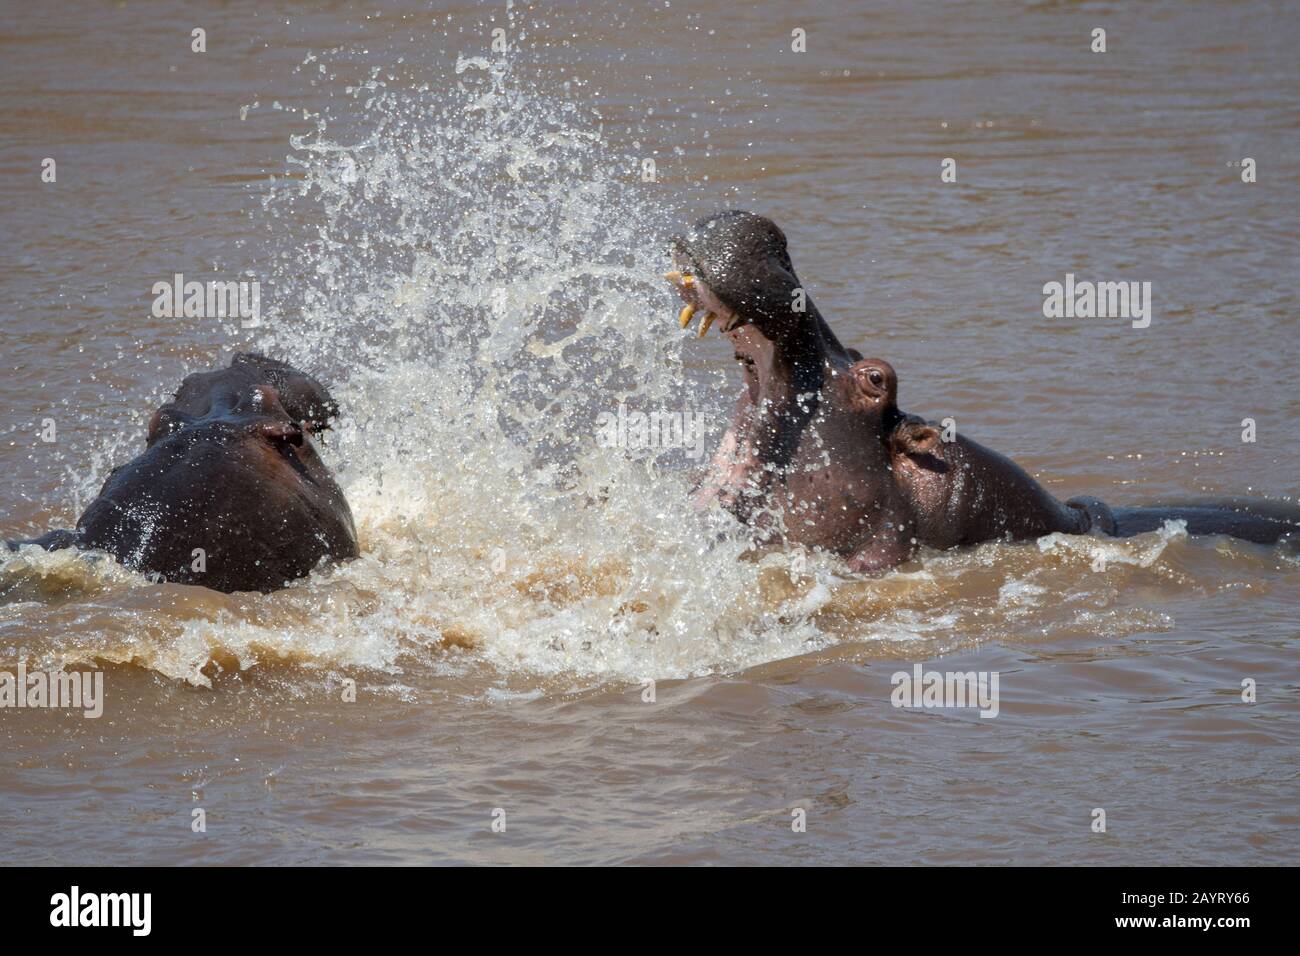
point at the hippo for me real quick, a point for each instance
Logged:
(230, 492)
(962, 493)
(795, 465)
(805, 460)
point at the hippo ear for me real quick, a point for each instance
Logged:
(165, 421)
(915, 438)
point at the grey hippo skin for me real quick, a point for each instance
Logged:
(818, 453)
(229, 467)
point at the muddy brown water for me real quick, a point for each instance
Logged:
(464, 243)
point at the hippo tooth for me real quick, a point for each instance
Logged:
(705, 323)
(688, 311)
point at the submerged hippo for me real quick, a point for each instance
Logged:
(819, 454)
(963, 493)
(229, 492)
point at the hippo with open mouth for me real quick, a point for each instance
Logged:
(229, 492)
(805, 458)
(818, 453)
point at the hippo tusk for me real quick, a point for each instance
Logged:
(705, 323)
(688, 311)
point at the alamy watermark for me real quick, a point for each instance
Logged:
(55, 690)
(932, 689)
(215, 299)
(641, 430)
(1098, 300)
(76, 908)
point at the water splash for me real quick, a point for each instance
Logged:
(484, 269)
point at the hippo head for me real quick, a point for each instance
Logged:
(264, 391)
(734, 268)
(228, 469)
(305, 400)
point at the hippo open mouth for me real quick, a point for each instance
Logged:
(701, 301)
(733, 268)
(798, 454)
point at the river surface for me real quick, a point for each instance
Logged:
(467, 243)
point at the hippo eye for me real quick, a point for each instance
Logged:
(876, 378)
